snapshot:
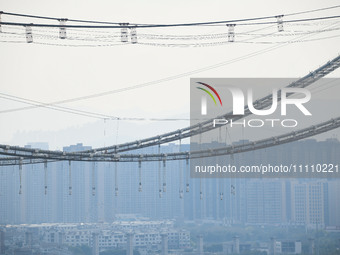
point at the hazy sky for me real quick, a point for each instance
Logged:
(51, 73)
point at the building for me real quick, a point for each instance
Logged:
(2, 242)
(146, 234)
(308, 203)
(265, 202)
(334, 203)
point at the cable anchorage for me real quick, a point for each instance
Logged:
(133, 33)
(29, 36)
(62, 30)
(279, 23)
(124, 32)
(231, 32)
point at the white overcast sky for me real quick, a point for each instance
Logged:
(51, 73)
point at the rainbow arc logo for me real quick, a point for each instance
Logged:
(204, 99)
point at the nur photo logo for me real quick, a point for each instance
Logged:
(284, 102)
(204, 98)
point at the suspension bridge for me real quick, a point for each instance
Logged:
(14, 155)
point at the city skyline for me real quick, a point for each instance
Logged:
(231, 200)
